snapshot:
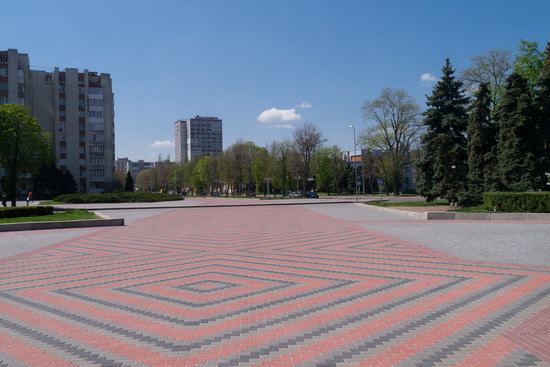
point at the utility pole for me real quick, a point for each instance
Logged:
(355, 166)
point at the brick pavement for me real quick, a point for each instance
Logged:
(265, 286)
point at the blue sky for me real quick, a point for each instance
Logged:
(236, 59)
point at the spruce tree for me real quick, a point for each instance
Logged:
(478, 134)
(129, 185)
(543, 106)
(520, 141)
(443, 163)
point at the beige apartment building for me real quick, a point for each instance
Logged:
(76, 107)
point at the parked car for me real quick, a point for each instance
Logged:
(295, 194)
(312, 195)
(216, 193)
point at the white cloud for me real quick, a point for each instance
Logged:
(304, 105)
(285, 126)
(427, 77)
(279, 115)
(162, 144)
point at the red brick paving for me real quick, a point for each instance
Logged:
(265, 286)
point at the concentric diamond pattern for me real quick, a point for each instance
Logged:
(265, 286)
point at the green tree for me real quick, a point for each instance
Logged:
(478, 128)
(543, 104)
(280, 152)
(261, 169)
(443, 163)
(520, 143)
(50, 182)
(129, 184)
(24, 146)
(529, 61)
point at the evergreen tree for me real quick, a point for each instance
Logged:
(68, 184)
(51, 181)
(520, 141)
(129, 185)
(543, 105)
(478, 129)
(443, 163)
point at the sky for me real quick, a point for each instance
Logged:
(263, 67)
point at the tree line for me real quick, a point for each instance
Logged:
(300, 164)
(493, 135)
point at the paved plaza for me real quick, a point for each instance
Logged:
(317, 285)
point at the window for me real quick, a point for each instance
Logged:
(62, 114)
(95, 102)
(98, 114)
(20, 73)
(95, 90)
(62, 149)
(82, 171)
(3, 72)
(97, 126)
(3, 59)
(62, 125)
(97, 172)
(3, 86)
(97, 137)
(61, 88)
(95, 149)
(62, 137)
(48, 77)
(97, 161)
(3, 100)
(81, 79)
(82, 150)
(81, 126)
(81, 103)
(81, 113)
(82, 90)
(62, 101)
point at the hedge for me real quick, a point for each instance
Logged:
(117, 197)
(25, 211)
(517, 202)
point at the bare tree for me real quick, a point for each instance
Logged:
(307, 138)
(491, 68)
(281, 152)
(396, 129)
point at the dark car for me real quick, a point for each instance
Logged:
(216, 193)
(312, 195)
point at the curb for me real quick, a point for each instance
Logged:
(33, 226)
(516, 217)
(513, 217)
(208, 206)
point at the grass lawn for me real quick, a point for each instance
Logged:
(49, 202)
(61, 216)
(471, 209)
(408, 203)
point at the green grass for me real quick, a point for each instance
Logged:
(49, 202)
(408, 203)
(61, 216)
(472, 209)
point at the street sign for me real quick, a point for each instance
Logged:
(380, 181)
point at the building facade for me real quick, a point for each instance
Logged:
(75, 107)
(134, 167)
(198, 136)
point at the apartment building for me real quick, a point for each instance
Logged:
(134, 167)
(198, 136)
(76, 107)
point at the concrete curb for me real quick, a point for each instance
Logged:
(312, 202)
(415, 215)
(516, 217)
(513, 217)
(33, 226)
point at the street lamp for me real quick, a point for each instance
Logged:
(355, 166)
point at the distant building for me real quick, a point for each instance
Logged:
(125, 165)
(75, 107)
(198, 136)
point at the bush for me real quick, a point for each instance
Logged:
(117, 197)
(518, 202)
(25, 211)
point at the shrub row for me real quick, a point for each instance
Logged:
(25, 211)
(518, 202)
(117, 197)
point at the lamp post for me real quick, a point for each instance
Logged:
(355, 166)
